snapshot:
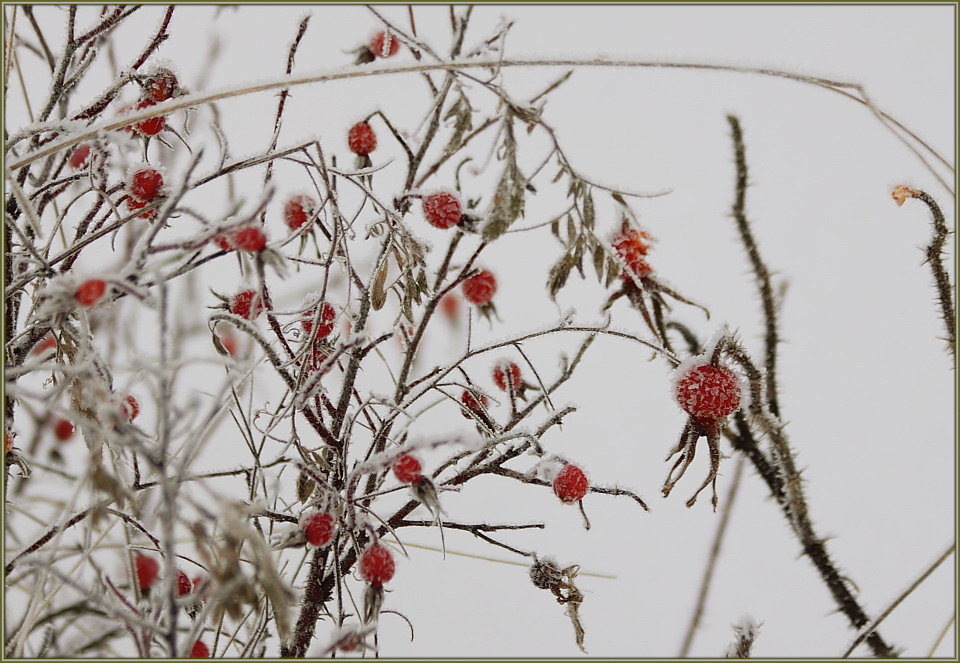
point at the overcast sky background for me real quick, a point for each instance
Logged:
(865, 383)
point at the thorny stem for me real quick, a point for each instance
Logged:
(941, 278)
(760, 271)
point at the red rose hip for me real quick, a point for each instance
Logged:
(361, 139)
(442, 210)
(708, 392)
(144, 184)
(327, 316)
(90, 292)
(249, 239)
(407, 468)
(247, 304)
(571, 484)
(475, 404)
(298, 211)
(147, 569)
(376, 564)
(79, 157)
(63, 430)
(504, 369)
(130, 407)
(318, 527)
(199, 650)
(384, 44)
(480, 288)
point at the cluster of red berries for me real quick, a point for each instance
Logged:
(632, 246)
(161, 85)
(570, 484)
(90, 292)
(247, 304)
(147, 569)
(442, 210)
(361, 139)
(144, 185)
(480, 288)
(318, 527)
(376, 564)
(298, 211)
(707, 392)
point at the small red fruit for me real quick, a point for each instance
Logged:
(502, 370)
(298, 211)
(450, 306)
(133, 205)
(7, 441)
(79, 157)
(442, 210)
(184, 586)
(708, 392)
(147, 570)
(90, 292)
(250, 239)
(161, 85)
(361, 139)
(319, 528)
(199, 650)
(63, 430)
(384, 44)
(48, 342)
(376, 564)
(407, 468)
(475, 404)
(145, 184)
(571, 484)
(632, 246)
(327, 315)
(152, 126)
(247, 304)
(480, 288)
(130, 407)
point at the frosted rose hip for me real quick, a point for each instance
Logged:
(90, 292)
(500, 372)
(377, 565)
(708, 392)
(571, 484)
(480, 288)
(145, 184)
(384, 44)
(407, 469)
(442, 210)
(298, 211)
(319, 528)
(247, 304)
(361, 139)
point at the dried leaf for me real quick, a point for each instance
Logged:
(378, 295)
(508, 198)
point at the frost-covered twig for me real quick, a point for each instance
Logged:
(872, 626)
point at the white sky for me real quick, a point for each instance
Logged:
(865, 384)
